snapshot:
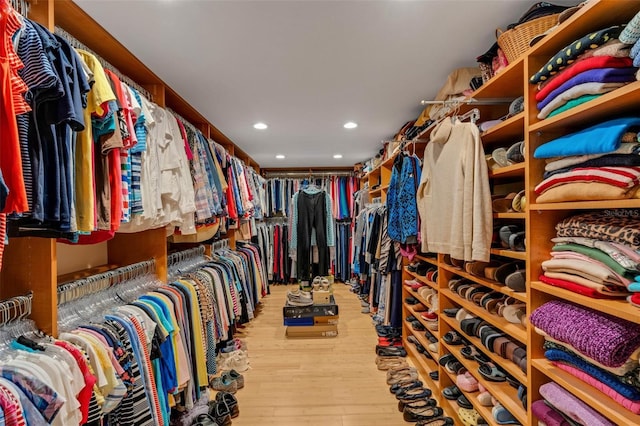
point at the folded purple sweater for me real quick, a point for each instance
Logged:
(605, 338)
(598, 75)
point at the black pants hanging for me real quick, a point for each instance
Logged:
(312, 215)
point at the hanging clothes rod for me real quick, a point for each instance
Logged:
(469, 101)
(73, 290)
(74, 42)
(306, 175)
(15, 308)
(185, 255)
(21, 6)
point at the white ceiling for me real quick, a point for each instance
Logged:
(306, 67)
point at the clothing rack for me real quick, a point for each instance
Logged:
(73, 290)
(469, 101)
(21, 6)
(15, 309)
(474, 114)
(306, 175)
(74, 42)
(181, 256)
(220, 244)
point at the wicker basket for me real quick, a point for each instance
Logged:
(515, 42)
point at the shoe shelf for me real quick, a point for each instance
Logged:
(594, 111)
(511, 129)
(502, 391)
(431, 260)
(512, 254)
(424, 322)
(619, 308)
(427, 364)
(493, 285)
(597, 400)
(512, 171)
(485, 412)
(417, 296)
(507, 365)
(422, 279)
(587, 205)
(422, 339)
(514, 330)
(510, 215)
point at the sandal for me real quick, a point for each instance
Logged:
(451, 392)
(453, 338)
(492, 373)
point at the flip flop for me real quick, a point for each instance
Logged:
(492, 373)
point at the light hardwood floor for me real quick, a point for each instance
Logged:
(314, 382)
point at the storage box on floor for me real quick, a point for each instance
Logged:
(317, 320)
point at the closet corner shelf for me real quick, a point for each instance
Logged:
(617, 102)
(515, 331)
(493, 285)
(485, 412)
(514, 170)
(510, 130)
(502, 391)
(431, 260)
(617, 307)
(506, 364)
(509, 215)
(593, 397)
(520, 255)
(507, 84)
(583, 205)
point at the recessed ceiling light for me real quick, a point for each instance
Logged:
(280, 157)
(260, 126)
(350, 125)
(337, 156)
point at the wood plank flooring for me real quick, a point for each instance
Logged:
(314, 382)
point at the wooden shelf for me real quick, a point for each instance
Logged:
(493, 285)
(425, 343)
(515, 170)
(506, 85)
(597, 400)
(612, 104)
(424, 322)
(431, 260)
(510, 215)
(422, 279)
(485, 412)
(502, 391)
(617, 307)
(520, 255)
(510, 130)
(587, 205)
(506, 364)
(375, 192)
(513, 330)
(384, 187)
(417, 296)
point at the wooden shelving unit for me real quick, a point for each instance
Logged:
(31, 264)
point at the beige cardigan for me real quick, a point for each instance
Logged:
(454, 199)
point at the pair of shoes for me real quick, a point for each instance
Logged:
(390, 351)
(389, 362)
(440, 421)
(320, 283)
(239, 378)
(421, 414)
(401, 387)
(230, 401)
(224, 383)
(419, 403)
(221, 411)
(236, 360)
(205, 419)
(299, 298)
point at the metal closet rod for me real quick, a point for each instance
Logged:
(74, 42)
(488, 101)
(269, 175)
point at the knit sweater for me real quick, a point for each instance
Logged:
(454, 199)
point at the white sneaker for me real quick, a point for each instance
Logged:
(299, 298)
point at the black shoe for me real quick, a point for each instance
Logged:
(451, 312)
(231, 401)
(394, 388)
(411, 300)
(434, 375)
(220, 411)
(204, 420)
(440, 421)
(417, 414)
(390, 351)
(420, 403)
(463, 402)
(408, 386)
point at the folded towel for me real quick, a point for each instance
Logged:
(609, 340)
